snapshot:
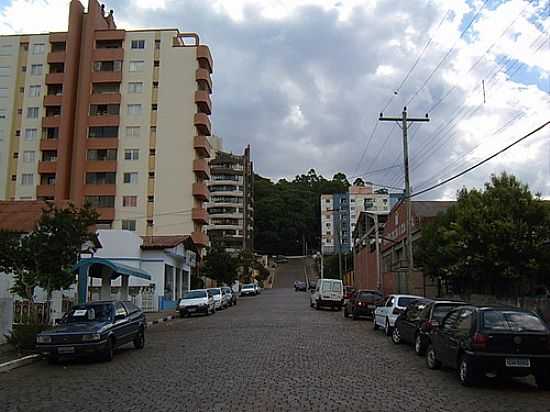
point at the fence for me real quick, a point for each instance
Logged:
(28, 312)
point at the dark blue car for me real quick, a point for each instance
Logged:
(95, 328)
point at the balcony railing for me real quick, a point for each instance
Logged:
(202, 146)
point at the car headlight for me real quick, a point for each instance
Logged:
(43, 339)
(91, 337)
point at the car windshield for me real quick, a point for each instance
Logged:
(214, 291)
(90, 313)
(511, 321)
(404, 302)
(195, 294)
(441, 310)
(369, 296)
(248, 287)
(332, 286)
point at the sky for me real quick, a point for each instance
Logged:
(304, 81)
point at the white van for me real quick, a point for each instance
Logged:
(328, 292)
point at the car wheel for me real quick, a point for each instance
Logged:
(374, 325)
(431, 358)
(387, 328)
(139, 340)
(109, 351)
(346, 314)
(53, 360)
(395, 336)
(339, 308)
(354, 315)
(467, 372)
(317, 305)
(543, 380)
(418, 346)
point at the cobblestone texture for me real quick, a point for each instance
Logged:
(269, 353)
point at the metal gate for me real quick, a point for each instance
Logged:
(147, 299)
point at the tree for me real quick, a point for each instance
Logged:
(220, 265)
(359, 182)
(45, 257)
(491, 241)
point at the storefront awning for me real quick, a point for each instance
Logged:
(118, 269)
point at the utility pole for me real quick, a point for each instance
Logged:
(404, 126)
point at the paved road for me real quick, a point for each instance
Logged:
(270, 353)
(287, 273)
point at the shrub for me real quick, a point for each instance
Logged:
(23, 337)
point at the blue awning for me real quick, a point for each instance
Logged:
(117, 268)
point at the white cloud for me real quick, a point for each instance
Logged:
(385, 70)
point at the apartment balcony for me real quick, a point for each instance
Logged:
(51, 121)
(200, 191)
(53, 100)
(106, 77)
(224, 227)
(48, 144)
(100, 190)
(203, 102)
(204, 58)
(101, 166)
(202, 123)
(102, 143)
(110, 34)
(58, 37)
(202, 146)
(108, 54)
(203, 78)
(111, 98)
(47, 167)
(201, 169)
(108, 120)
(56, 57)
(45, 190)
(55, 78)
(200, 215)
(106, 213)
(200, 239)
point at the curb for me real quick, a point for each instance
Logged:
(161, 320)
(17, 363)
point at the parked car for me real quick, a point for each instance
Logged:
(95, 328)
(226, 297)
(232, 294)
(385, 315)
(348, 292)
(491, 340)
(300, 286)
(417, 322)
(196, 301)
(328, 292)
(218, 298)
(248, 289)
(363, 303)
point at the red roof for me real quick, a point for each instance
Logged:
(163, 242)
(20, 215)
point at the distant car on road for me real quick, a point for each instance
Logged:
(218, 298)
(196, 301)
(501, 341)
(328, 292)
(95, 328)
(232, 294)
(300, 286)
(248, 290)
(363, 302)
(385, 315)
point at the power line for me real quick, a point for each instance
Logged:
(481, 162)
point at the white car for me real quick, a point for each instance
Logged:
(328, 292)
(226, 297)
(258, 289)
(385, 315)
(248, 289)
(218, 298)
(196, 301)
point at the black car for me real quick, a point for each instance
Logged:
(300, 285)
(416, 323)
(478, 341)
(363, 303)
(95, 328)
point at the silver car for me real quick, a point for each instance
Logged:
(218, 297)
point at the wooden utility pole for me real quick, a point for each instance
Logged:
(404, 126)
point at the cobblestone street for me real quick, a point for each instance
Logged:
(270, 352)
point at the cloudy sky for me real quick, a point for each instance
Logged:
(303, 81)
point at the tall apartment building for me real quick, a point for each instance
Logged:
(116, 118)
(231, 206)
(340, 211)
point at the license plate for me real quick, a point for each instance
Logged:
(191, 310)
(518, 363)
(65, 349)
(371, 306)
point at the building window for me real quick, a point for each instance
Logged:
(153, 130)
(132, 131)
(154, 107)
(157, 44)
(150, 222)
(131, 177)
(155, 85)
(49, 155)
(32, 112)
(138, 44)
(13, 178)
(327, 224)
(28, 156)
(131, 154)
(102, 154)
(135, 109)
(129, 201)
(136, 66)
(100, 201)
(156, 63)
(152, 152)
(135, 87)
(36, 70)
(101, 178)
(151, 199)
(103, 132)
(24, 69)
(18, 133)
(38, 48)
(34, 91)
(129, 225)
(151, 175)
(106, 66)
(3, 92)
(27, 179)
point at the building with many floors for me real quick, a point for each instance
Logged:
(340, 211)
(231, 206)
(115, 118)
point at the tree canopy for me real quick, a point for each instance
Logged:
(491, 241)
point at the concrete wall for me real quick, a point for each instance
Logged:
(6, 318)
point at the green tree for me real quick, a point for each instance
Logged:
(220, 265)
(491, 241)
